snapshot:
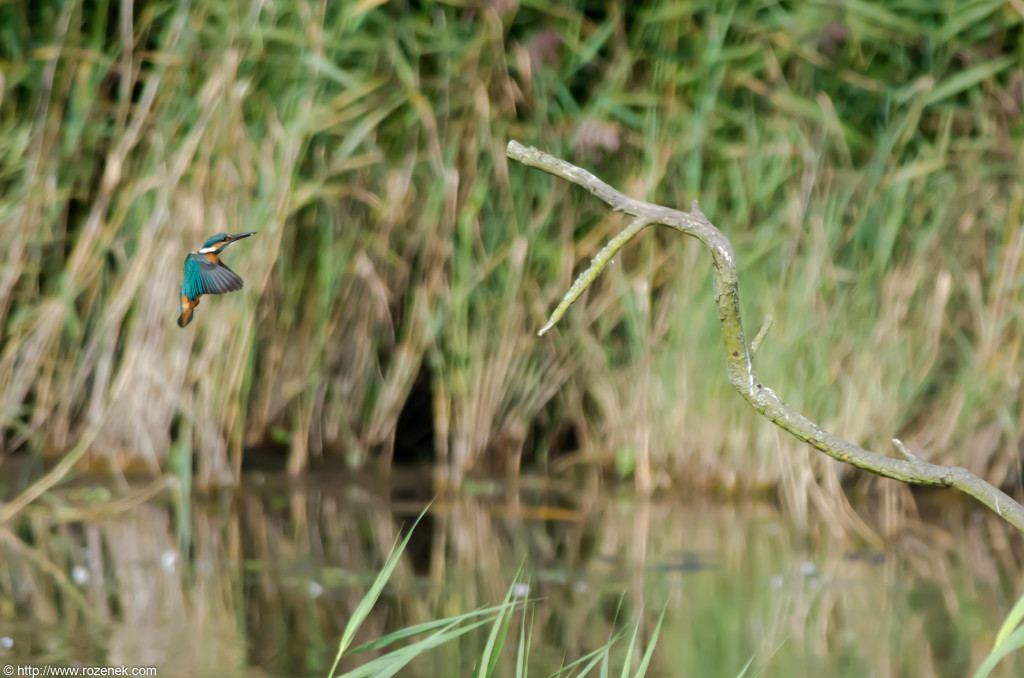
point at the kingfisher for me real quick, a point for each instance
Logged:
(205, 273)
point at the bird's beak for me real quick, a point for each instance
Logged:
(239, 236)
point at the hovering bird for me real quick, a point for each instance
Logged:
(206, 274)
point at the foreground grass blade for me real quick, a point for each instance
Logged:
(366, 604)
(646, 661)
(499, 631)
(1013, 620)
(1009, 638)
(1012, 642)
(487, 613)
(629, 650)
(525, 640)
(600, 654)
(746, 667)
(394, 661)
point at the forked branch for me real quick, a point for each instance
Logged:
(910, 469)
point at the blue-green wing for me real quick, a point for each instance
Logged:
(202, 276)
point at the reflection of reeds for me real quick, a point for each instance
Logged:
(270, 579)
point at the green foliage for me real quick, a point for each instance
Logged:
(863, 157)
(1009, 639)
(434, 634)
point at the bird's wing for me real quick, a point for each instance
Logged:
(202, 276)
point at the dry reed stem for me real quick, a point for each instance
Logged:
(910, 470)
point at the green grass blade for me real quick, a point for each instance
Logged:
(629, 650)
(601, 656)
(393, 662)
(600, 653)
(955, 84)
(525, 641)
(746, 667)
(646, 661)
(366, 604)
(425, 627)
(1012, 621)
(1012, 642)
(965, 15)
(499, 631)
(495, 651)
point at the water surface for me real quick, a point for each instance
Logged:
(263, 580)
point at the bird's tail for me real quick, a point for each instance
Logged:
(188, 306)
(186, 316)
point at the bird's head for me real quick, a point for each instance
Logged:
(215, 243)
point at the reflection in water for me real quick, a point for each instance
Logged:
(266, 580)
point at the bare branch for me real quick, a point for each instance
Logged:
(912, 470)
(904, 450)
(761, 334)
(597, 264)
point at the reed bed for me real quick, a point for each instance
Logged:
(863, 157)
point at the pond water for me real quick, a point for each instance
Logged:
(263, 581)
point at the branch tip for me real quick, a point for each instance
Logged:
(514, 149)
(762, 333)
(597, 264)
(905, 451)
